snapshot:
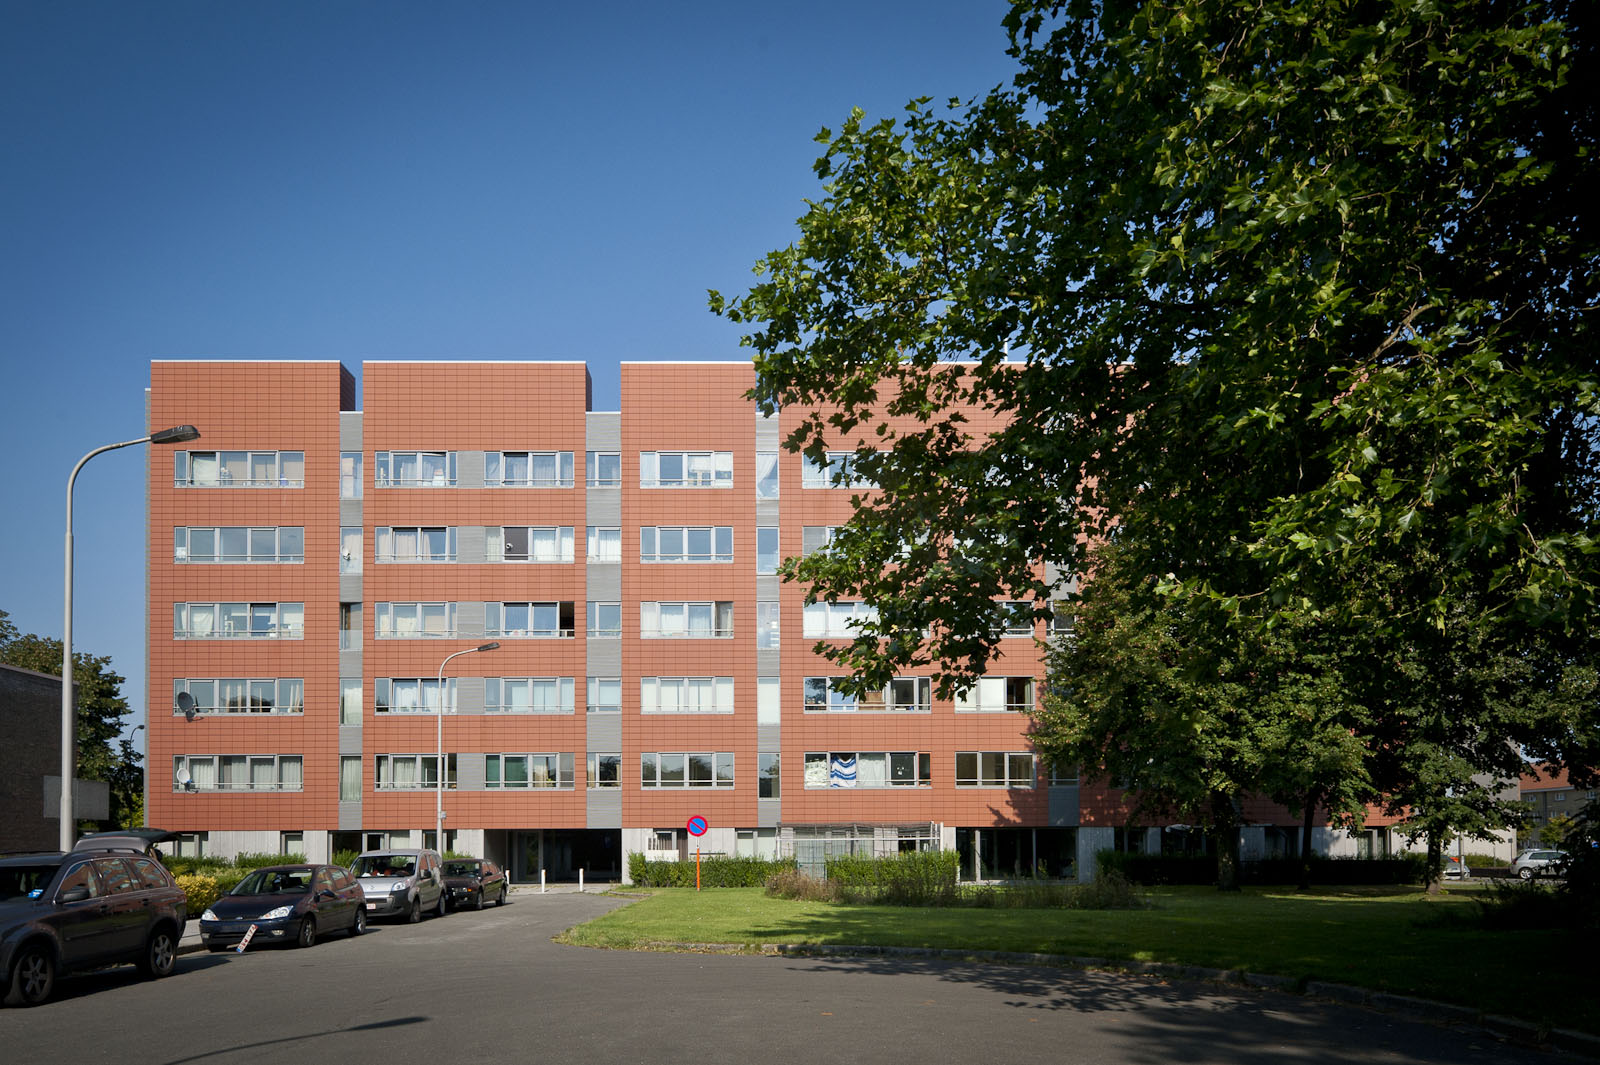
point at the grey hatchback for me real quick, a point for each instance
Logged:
(65, 912)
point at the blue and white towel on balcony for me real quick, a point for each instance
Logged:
(842, 774)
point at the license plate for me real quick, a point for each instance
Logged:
(372, 905)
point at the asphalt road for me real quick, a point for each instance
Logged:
(492, 987)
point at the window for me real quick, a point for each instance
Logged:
(665, 621)
(903, 695)
(412, 695)
(350, 778)
(605, 695)
(1014, 617)
(1062, 776)
(767, 625)
(350, 549)
(236, 772)
(702, 769)
(605, 544)
(1062, 620)
(414, 621)
(527, 771)
(238, 621)
(238, 469)
(814, 538)
(836, 619)
(604, 621)
(767, 777)
(528, 620)
(242, 695)
(994, 769)
(686, 695)
(605, 770)
(685, 469)
(350, 484)
(291, 843)
(997, 695)
(530, 543)
(234, 543)
(414, 469)
(527, 469)
(868, 769)
(767, 555)
(680, 543)
(766, 475)
(350, 700)
(602, 469)
(349, 626)
(769, 703)
(412, 772)
(413, 543)
(840, 470)
(528, 695)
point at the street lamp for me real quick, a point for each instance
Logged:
(69, 733)
(438, 766)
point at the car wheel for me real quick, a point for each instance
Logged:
(1525, 874)
(414, 914)
(359, 925)
(33, 977)
(307, 932)
(160, 953)
(500, 900)
(477, 901)
(441, 908)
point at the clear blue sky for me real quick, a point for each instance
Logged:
(350, 179)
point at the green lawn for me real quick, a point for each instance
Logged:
(1390, 939)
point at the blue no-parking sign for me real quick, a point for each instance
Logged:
(697, 826)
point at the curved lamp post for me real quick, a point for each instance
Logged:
(438, 766)
(69, 733)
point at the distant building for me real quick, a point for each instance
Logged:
(1549, 794)
(30, 764)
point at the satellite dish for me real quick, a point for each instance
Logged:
(184, 780)
(186, 706)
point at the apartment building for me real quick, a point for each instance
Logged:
(319, 561)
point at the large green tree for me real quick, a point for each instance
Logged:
(102, 753)
(1296, 298)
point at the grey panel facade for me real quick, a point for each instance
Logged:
(472, 544)
(767, 512)
(349, 430)
(603, 658)
(469, 618)
(350, 662)
(350, 512)
(604, 732)
(350, 740)
(469, 693)
(604, 807)
(350, 587)
(767, 662)
(1064, 805)
(469, 773)
(469, 469)
(603, 581)
(349, 816)
(602, 430)
(769, 813)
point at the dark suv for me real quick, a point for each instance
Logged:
(91, 908)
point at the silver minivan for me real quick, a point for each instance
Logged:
(401, 883)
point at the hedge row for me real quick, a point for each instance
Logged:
(1173, 869)
(718, 871)
(909, 878)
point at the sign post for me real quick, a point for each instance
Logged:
(697, 827)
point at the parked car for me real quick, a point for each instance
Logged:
(285, 903)
(1455, 868)
(61, 913)
(474, 882)
(1532, 863)
(401, 883)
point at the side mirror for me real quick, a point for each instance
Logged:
(73, 894)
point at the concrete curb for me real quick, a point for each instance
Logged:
(1510, 1029)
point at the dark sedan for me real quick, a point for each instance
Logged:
(473, 882)
(285, 904)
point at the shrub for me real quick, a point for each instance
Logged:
(255, 860)
(1186, 869)
(345, 859)
(716, 871)
(1484, 861)
(1110, 890)
(201, 891)
(909, 878)
(179, 865)
(793, 884)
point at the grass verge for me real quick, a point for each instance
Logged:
(1388, 939)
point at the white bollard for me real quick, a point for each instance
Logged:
(541, 881)
(580, 879)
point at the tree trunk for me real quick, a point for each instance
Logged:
(1305, 841)
(1225, 823)
(1431, 875)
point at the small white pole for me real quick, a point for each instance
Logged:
(541, 881)
(580, 878)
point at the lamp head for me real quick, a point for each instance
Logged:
(178, 434)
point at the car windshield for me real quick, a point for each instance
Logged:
(385, 865)
(460, 868)
(274, 882)
(25, 881)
